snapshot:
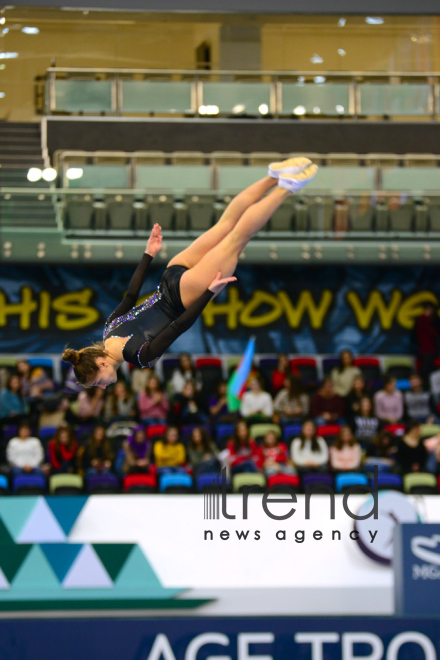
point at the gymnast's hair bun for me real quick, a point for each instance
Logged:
(70, 355)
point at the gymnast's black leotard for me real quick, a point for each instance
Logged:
(153, 325)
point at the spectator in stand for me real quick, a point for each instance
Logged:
(90, 403)
(427, 336)
(388, 403)
(184, 373)
(97, 456)
(243, 453)
(411, 454)
(202, 452)
(13, 405)
(137, 450)
(433, 462)
(189, 407)
(40, 384)
(344, 375)
(283, 371)
(291, 403)
(139, 379)
(275, 456)
(383, 448)
(119, 403)
(365, 424)
(25, 453)
(418, 403)
(256, 405)
(327, 407)
(218, 406)
(356, 394)
(346, 452)
(153, 404)
(63, 450)
(24, 371)
(169, 453)
(309, 451)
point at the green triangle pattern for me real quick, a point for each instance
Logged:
(113, 556)
(11, 558)
(16, 511)
(5, 536)
(66, 510)
(35, 572)
(137, 572)
(61, 556)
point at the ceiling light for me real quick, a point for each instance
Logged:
(30, 30)
(414, 39)
(8, 56)
(211, 110)
(374, 20)
(299, 110)
(316, 110)
(340, 109)
(2, 95)
(316, 59)
(319, 79)
(74, 173)
(301, 79)
(34, 174)
(2, 20)
(341, 52)
(49, 174)
(5, 30)
(263, 109)
(342, 22)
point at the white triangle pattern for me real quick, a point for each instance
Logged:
(87, 572)
(42, 526)
(4, 584)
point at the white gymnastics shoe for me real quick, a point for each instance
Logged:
(294, 183)
(290, 166)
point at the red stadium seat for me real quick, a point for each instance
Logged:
(145, 483)
(328, 431)
(306, 367)
(208, 362)
(396, 429)
(284, 480)
(156, 430)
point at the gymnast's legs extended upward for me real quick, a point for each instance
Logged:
(217, 250)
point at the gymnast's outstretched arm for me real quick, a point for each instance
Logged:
(139, 275)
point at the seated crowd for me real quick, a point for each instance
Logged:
(283, 426)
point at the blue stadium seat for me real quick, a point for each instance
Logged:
(4, 484)
(100, 484)
(29, 484)
(47, 432)
(176, 482)
(312, 479)
(344, 481)
(388, 481)
(209, 479)
(223, 432)
(291, 431)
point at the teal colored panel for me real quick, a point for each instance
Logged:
(411, 179)
(15, 512)
(66, 510)
(237, 97)
(152, 96)
(83, 95)
(236, 177)
(330, 99)
(61, 556)
(173, 177)
(102, 176)
(340, 179)
(137, 572)
(35, 573)
(388, 99)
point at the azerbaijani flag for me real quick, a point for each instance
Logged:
(238, 380)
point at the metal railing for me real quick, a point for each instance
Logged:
(354, 80)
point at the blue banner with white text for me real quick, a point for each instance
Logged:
(296, 309)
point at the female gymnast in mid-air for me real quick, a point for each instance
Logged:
(141, 334)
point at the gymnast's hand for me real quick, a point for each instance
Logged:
(218, 284)
(155, 241)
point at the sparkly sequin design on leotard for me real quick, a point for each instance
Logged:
(149, 365)
(133, 313)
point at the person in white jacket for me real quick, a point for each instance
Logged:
(256, 403)
(309, 451)
(24, 453)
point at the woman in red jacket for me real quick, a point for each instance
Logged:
(62, 450)
(244, 453)
(275, 456)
